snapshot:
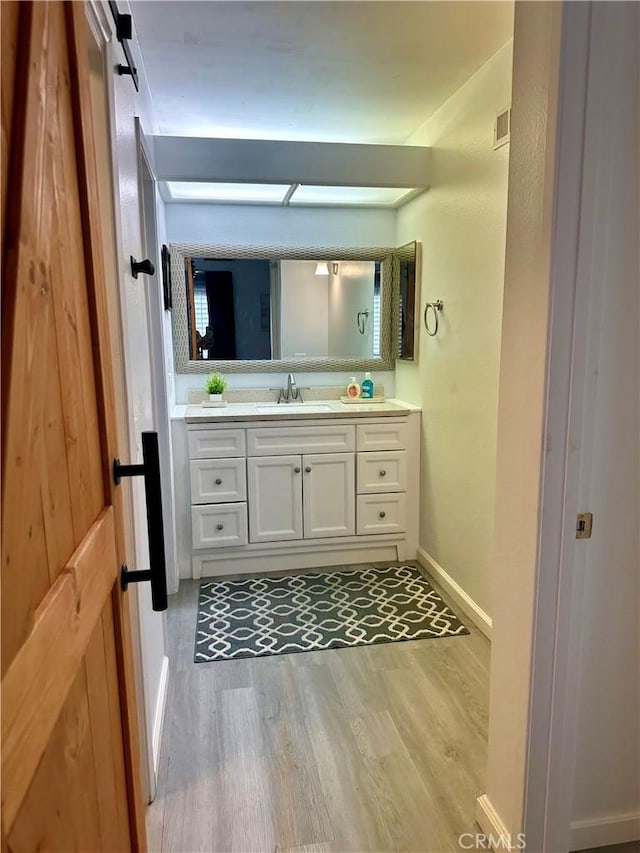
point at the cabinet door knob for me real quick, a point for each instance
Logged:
(308, 469)
(297, 469)
(219, 526)
(382, 514)
(218, 481)
(383, 473)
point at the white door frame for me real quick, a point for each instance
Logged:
(534, 684)
(148, 633)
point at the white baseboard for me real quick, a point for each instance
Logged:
(605, 830)
(477, 615)
(158, 717)
(494, 830)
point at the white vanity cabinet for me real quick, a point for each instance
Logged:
(280, 494)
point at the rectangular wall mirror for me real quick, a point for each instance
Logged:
(262, 309)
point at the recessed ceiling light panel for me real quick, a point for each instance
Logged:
(219, 192)
(366, 196)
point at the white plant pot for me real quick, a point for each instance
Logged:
(215, 398)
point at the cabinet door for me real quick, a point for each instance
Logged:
(329, 495)
(275, 498)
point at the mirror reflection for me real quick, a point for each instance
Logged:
(406, 257)
(264, 309)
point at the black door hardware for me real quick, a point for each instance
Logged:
(124, 33)
(145, 267)
(166, 277)
(150, 470)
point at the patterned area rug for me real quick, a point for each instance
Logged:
(303, 613)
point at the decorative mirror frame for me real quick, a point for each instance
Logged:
(180, 322)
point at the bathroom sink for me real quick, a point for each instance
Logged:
(283, 408)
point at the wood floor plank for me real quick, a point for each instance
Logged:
(444, 746)
(347, 796)
(376, 748)
(300, 814)
(407, 810)
(190, 786)
(247, 818)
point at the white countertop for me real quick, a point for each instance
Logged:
(315, 409)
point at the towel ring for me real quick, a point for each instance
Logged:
(436, 306)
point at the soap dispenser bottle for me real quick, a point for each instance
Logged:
(353, 389)
(366, 389)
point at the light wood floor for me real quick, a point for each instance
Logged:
(376, 748)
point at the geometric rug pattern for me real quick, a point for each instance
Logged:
(253, 617)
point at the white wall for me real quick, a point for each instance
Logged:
(461, 222)
(304, 310)
(351, 291)
(278, 226)
(246, 225)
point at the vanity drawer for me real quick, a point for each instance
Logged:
(391, 436)
(280, 441)
(216, 443)
(219, 525)
(381, 513)
(218, 480)
(382, 471)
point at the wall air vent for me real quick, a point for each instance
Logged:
(502, 129)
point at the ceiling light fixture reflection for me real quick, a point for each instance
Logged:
(322, 268)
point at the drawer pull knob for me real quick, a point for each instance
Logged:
(308, 469)
(382, 514)
(218, 481)
(297, 469)
(383, 473)
(219, 526)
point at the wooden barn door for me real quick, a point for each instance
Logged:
(70, 759)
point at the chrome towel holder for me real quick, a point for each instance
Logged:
(436, 307)
(361, 319)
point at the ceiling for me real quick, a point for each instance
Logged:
(339, 71)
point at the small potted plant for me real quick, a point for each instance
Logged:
(215, 385)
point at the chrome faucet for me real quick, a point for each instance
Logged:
(291, 392)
